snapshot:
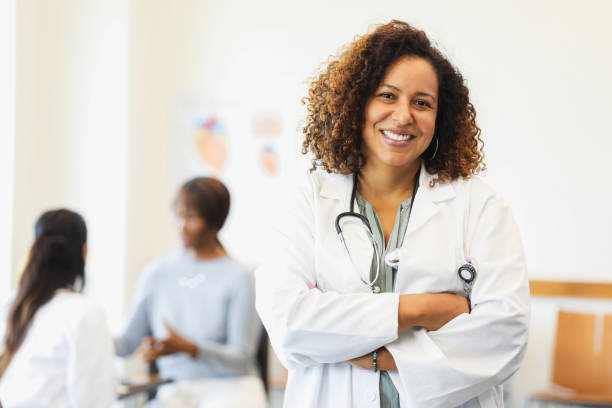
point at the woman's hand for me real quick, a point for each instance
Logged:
(146, 351)
(151, 349)
(384, 361)
(430, 310)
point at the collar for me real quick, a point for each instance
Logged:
(338, 187)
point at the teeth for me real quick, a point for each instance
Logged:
(396, 136)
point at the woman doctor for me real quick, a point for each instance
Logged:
(398, 277)
(56, 350)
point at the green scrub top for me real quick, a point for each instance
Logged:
(389, 397)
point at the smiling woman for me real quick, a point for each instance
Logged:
(338, 96)
(392, 118)
(400, 119)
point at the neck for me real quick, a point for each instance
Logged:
(211, 249)
(387, 181)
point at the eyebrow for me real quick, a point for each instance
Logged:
(418, 93)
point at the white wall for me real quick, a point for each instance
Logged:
(7, 130)
(71, 129)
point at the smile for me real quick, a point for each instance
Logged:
(398, 137)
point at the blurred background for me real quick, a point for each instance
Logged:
(108, 105)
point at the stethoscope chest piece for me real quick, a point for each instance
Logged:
(467, 273)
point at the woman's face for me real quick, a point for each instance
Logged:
(191, 226)
(400, 118)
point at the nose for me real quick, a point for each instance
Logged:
(403, 113)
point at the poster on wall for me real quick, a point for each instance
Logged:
(253, 150)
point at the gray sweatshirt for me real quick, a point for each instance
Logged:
(209, 302)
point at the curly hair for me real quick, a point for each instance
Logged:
(339, 92)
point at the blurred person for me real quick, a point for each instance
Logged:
(193, 311)
(397, 278)
(57, 350)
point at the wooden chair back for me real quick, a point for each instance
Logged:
(583, 352)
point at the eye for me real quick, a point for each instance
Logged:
(422, 102)
(386, 95)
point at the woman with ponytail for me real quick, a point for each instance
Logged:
(56, 350)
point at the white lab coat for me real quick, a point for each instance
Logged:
(66, 359)
(314, 331)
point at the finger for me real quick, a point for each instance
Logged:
(168, 327)
(147, 355)
(159, 346)
(147, 341)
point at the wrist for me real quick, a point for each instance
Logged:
(375, 361)
(191, 349)
(385, 361)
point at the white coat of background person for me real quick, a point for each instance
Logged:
(57, 350)
(394, 111)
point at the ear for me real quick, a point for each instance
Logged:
(84, 252)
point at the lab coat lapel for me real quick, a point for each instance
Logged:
(338, 187)
(426, 202)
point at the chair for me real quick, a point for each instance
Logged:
(262, 358)
(582, 362)
(152, 370)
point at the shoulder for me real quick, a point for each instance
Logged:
(321, 183)
(237, 272)
(481, 200)
(476, 191)
(65, 299)
(75, 308)
(161, 266)
(321, 177)
(331, 185)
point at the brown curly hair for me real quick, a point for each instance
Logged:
(341, 89)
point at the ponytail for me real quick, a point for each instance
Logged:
(55, 262)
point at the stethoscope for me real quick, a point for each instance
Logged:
(466, 272)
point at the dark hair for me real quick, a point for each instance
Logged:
(56, 261)
(208, 197)
(339, 93)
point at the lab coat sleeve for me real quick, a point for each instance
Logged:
(477, 351)
(243, 332)
(137, 326)
(91, 380)
(307, 326)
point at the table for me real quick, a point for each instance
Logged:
(137, 385)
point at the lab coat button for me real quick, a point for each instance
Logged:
(372, 396)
